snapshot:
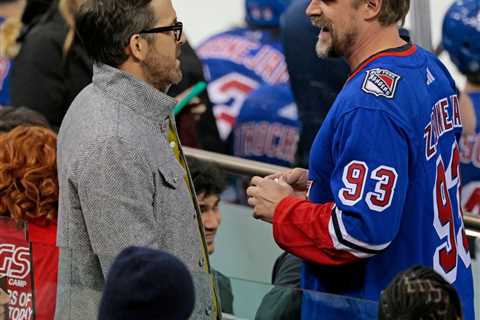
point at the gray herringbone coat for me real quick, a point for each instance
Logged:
(121, 185)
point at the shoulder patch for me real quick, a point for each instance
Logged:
(381, 82)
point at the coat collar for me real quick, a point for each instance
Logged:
(132, 92)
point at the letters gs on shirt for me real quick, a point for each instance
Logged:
(15, 261)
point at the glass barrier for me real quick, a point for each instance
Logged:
(245, 250)
(265, 302)
(243, 260)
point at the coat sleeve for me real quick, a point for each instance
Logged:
(116, 189)
(369, 184)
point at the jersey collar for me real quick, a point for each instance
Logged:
(403, 51)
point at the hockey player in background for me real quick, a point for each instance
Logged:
(461, 39)
(267, 128)
(241, 59)
(381, 193)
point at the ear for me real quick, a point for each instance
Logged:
(137, 47)
(372, 8)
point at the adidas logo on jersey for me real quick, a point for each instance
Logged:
(381, 82)
(430, 77)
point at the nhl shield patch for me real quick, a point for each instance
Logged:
(381, 82)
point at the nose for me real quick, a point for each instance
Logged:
(313, 8)
(210, 221)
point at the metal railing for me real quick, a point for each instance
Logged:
(421, 23)
(254, 168)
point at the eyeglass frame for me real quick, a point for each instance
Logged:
(177, 26)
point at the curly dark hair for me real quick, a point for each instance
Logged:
(419, 294)
(207, 177)
(105, 27)
(28, 175)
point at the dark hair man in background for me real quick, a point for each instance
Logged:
(121, 168)
(210, 182)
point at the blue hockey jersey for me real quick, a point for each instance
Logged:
(386, 181)
(267, 128)
(237, 62)
(470, 163)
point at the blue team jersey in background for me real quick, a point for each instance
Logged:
(236, 63)
(470, 159)
(267, 128)
(387, 155)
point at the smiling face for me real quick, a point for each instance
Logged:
(338, 24)
(211, 217)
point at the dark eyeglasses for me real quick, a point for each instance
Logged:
(176, 28)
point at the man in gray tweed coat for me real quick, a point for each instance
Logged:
(123, 177)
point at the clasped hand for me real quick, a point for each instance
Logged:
(264, 194)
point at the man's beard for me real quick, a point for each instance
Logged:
(160, 71)
(325, 48)
(328, 44)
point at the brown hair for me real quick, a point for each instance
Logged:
(392, 11)
(28, 175)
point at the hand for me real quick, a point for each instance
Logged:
(297, 178)
(264, 194)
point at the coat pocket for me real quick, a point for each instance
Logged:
(172, 174)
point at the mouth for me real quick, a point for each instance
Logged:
(210, 238)
(325, 34)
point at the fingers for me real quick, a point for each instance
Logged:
(277, 175)
(252, 202)
(297, 177)
(255, 181)
(252, 191)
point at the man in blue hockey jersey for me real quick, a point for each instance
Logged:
(383, 180)
(240, 60)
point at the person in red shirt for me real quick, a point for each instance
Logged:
(29, 192)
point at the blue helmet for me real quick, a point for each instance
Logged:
(265, 13)
(461, 35)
